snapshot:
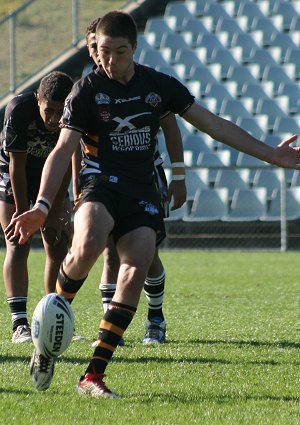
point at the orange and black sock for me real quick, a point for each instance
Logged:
(112, 327)
(66, 286)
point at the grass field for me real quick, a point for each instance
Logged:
(232, 355)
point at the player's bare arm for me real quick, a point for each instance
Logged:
(54, 171)
(226, 132)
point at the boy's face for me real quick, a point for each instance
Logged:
(51, 113)
(92, 47)
(116, 57)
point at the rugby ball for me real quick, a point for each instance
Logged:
(52, 325)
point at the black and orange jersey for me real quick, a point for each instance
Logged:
(24, 132)
(119, 123)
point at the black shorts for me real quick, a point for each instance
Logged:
(162, 187)
(6, 193)
(128, 211)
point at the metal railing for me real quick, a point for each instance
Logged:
(39, 31)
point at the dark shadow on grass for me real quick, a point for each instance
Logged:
(220, 399)
(241, 343)
(16, 392)
(147, 359)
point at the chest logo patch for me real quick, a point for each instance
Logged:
(102, 99)
(153, 99)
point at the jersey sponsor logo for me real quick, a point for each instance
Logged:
(130, 99)
(105, 116)
(39, 148)
(132, 141)
(149, 207)
(126, 137)
(153, 99)
(125, 122)
(102, 99)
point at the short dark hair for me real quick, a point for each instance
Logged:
(55, 86)
(91, 28)
(118, 24)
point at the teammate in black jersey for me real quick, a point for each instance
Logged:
(29, 134)
(155, 281)
(115, 112)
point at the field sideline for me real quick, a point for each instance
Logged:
(232, 355)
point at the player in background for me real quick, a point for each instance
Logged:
(120, 198)
(29, 134)
(155, 281)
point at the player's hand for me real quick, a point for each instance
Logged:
(177, 191)
(287, 156)
(22, 227)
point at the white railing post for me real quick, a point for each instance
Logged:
(75, 14)
(12, 51)
(283, 220)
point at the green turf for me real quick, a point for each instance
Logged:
(232, 355)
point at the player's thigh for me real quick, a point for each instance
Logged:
(92, 226)
(6, 212)
(137, 247)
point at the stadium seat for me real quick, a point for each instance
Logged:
(152, 58)
(293, 56)
(196, 26)
(232, 7)
(179, 213)
(272, 109)
(245, 160)
(174, 42)
(292, 91)
(263, 58)
(247, 205)
(215, 160)
(286, 125)
(249, 10)
(231, 179)
(292, 206)
(172, 71)
(209, 205)
(268, 178)
(242, 46)
(206, 44)
(287, 11)
(241, 75)
(229, 26)
(181, 11)
(267, 29)
(202, 74)
(272, 139)
(295, 180)
(224, 58)
(255, 91)
(194, 181)
(189, 58)
(234, 108)
(142, 43)
(159, 26)
(197, 144)
(276, 74)
(252, 126)
(201, 6)
(216, 11)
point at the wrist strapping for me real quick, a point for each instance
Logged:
(43, 205)
(178, 170)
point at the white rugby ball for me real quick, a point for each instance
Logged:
(52, 325)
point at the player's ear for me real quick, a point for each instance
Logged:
(37, 98)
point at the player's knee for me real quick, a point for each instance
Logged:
(50, 236)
